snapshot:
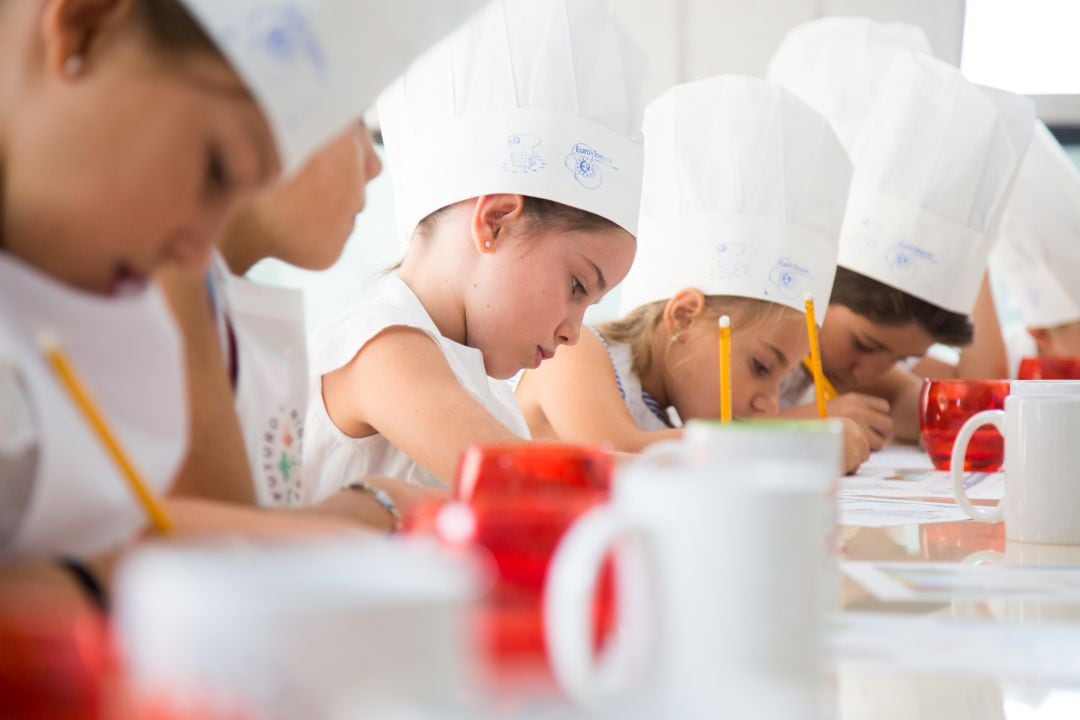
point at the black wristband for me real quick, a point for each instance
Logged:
(94, 590)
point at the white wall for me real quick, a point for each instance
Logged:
(691, 39)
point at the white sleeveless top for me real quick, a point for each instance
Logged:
(267, 326)
(70, 497)
(646, 412)
(331, 458)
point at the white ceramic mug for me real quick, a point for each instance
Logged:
(1042, 468)
(1044, 388)
(298, 630)
(720, 574)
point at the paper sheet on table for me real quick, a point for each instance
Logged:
(907, 457)
(872, 512)
(883, 482)
(933, 644)
(944, 582)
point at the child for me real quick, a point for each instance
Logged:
(515, 151)
(1040, 226)
(246, 344)
(927, 191)
(99, 192)
(743, 196)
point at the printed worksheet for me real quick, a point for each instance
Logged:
(878, 512)
(899, 483)
(944, 582)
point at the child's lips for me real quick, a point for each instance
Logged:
(542, 354)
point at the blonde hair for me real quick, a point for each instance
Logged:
(639, 326)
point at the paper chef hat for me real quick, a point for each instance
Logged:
(316, 65)
(835, 64)
(934, 163)
(1042, 215)
(743, 195)
(535, 97)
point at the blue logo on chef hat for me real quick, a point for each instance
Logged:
(524, 154)
(729, 262)
(904, 259)
(790, 278)
(283, 38)
(587, 166)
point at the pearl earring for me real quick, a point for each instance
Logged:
(73, 65)
(487, 244)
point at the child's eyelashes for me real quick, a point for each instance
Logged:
(577, 290)
(217, 182)
(862, 347)
(760, 369)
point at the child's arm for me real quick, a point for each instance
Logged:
(902, 389)
(856, 448)
(400, 385)
(577, 393)
(870, 413)
(985, 357)
(216, 465)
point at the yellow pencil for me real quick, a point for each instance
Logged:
(831, 393)
(725, 369)
(815, 357)
(75, 388)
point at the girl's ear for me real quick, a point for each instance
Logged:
(685, 307)
(69, 29)
(491, 217)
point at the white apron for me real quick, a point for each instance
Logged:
(646, 412)
(332, 459)
(267, 323)
(127, 351)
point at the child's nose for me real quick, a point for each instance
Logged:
(569, 332)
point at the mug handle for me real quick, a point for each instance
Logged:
(568, 596)
(959, 451)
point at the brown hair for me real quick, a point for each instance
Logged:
(541, 216)
(886, 305)
(173, 29)
(637, 328)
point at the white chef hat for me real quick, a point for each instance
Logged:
(934, 163)
(535, 97)
(744, 195)
(315, 65)
(836, 63)
(1042, 214)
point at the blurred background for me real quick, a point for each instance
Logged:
(1025, 46)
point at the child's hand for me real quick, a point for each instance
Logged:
(871, 413)
(856, 445)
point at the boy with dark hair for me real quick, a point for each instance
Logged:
(935, 157)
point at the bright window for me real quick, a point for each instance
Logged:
(1026, 46)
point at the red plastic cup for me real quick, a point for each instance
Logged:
(946, 405)
(520, 539)
(516, 503)
(533, 468)
(1049, 368)
(54, 665)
